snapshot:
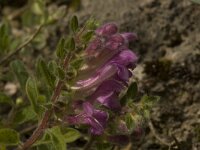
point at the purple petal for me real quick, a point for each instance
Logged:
(126, 58)
(77, 104)
(107, 30)
(115, 42)
(129, 37)
(98, 122)
(112, 102)
(123, 73)
(94, 46)
(88, 109)
(76, 119)
(101, 75)
(101, 116)
(94, 118)
(106, 94)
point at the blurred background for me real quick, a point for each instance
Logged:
(168, 50)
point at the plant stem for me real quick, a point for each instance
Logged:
(163, 141)
(44, 122)
(4, 60)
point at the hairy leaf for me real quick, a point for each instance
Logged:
(20, 72)
(32, 92)
(60, 49)
(70, 44)
(87, 36)
(24, 115)
(71, 135)
(9, 137)
(57, 138)
(46, 73)
(74, 24)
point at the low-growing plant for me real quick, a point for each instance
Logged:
(87, 93)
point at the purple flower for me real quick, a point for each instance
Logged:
(107, 30)
(94, 47)
(118, 66)
(92, 117)
(129, 37)
(106, 73)
(115, 42)
(107, 94)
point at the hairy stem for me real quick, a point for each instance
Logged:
(47, 115)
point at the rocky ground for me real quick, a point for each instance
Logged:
(169, 65)
(169, 51)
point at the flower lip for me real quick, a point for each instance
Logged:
(107, 94)
(129, 36)
(125, 58)
(96, 119)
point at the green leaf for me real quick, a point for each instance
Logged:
(24, 115)
(46, 73)
(70, 44)
(9, 137)
(60, 49)
(132, 91)
(91, 24)
(38, 7)
(5, 99)
(130, 123)
(77, 63)
(57, 138)
(104, 146)
(87, 36)
(45, 146)
(74, 24)
(46, 139)
(20, 72)
(71, 135)
(61, 73)
(4, 38)
(52, 65)
(149, 101)
(32, 92)
(196, 1)
(130, 94)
